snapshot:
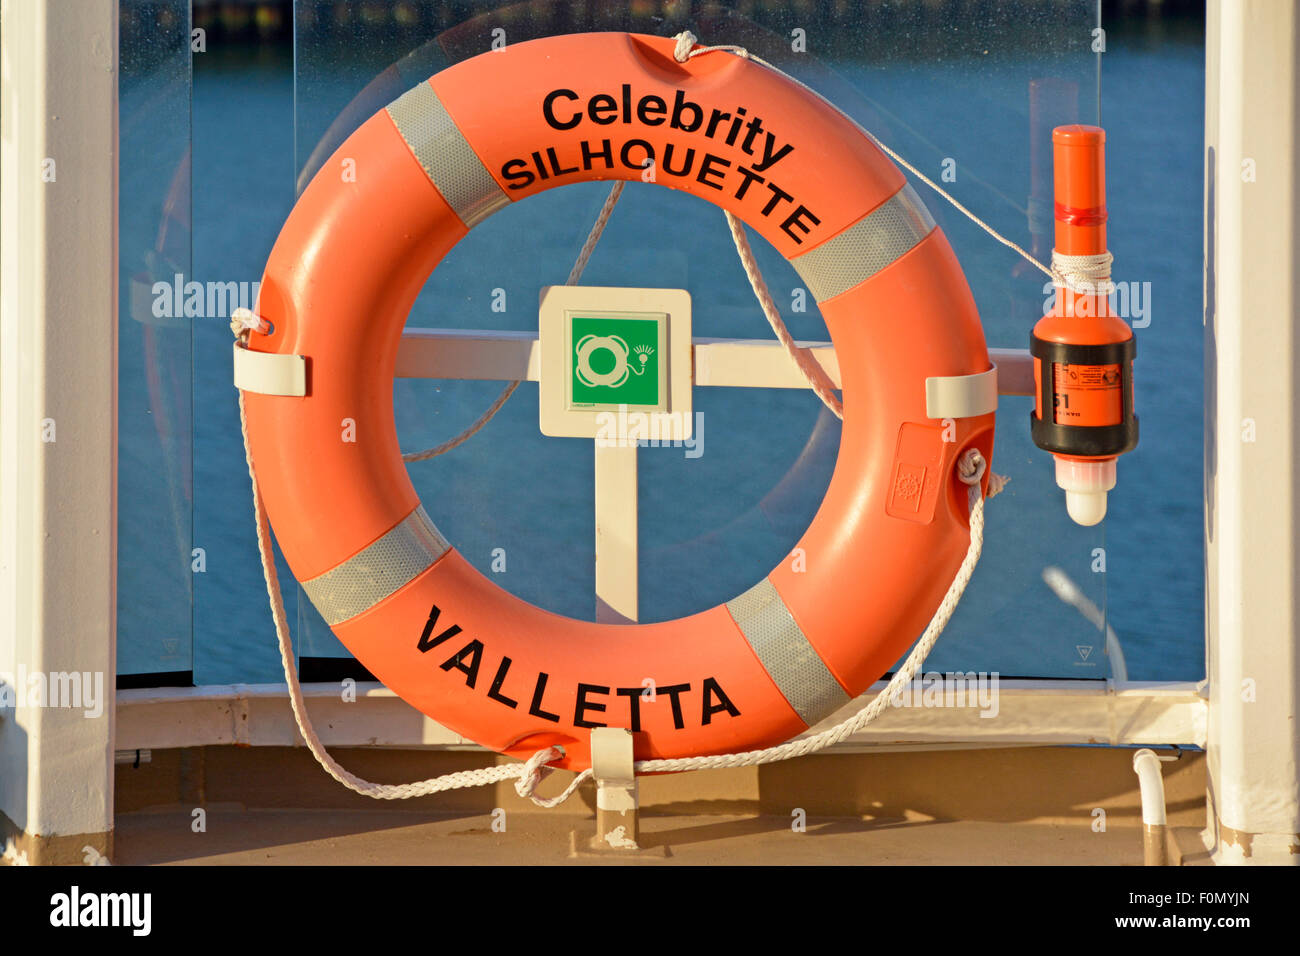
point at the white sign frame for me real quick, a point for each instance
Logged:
(672, 420)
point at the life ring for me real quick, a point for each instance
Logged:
(870, 570)
(615, 346)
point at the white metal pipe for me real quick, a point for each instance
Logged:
(616, 790)
(615, 501)
(1151, 783)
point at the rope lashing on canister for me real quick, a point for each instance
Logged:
(1088, 275)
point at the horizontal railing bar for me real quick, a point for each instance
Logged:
(1015, 371)
(468, 354)
(758, 363)
(737, 363)
(1044, 712)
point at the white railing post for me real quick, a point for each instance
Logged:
(1252, 438)
(58, 426)
(616, 534)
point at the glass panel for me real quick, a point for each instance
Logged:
(155, 476)
(243, 149)
(969, 93)
(1154, 113)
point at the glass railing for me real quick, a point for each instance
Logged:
(968, 93)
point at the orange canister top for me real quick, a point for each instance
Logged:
(1079, 156)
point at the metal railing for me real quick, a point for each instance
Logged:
(1042, 712)
(736, 363)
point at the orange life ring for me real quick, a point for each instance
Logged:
(498, 128)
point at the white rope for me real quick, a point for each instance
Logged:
(579, 266)
(816, 377)
(1078, 273)
(529, 773)
(970, 470)
(468, 433)
(811, 369)
(813, 373)
(593, 237)
(243, 321)
(1085, 274)
(683, 51)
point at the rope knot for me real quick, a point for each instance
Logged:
(971, 466)
(682, 51)
(243, 321)
(535, 770)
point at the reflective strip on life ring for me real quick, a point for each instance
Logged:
(453, 167)
(377, 570)
(874, 242)
(802, 677)
(870, 570)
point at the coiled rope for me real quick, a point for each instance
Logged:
(1086, 275)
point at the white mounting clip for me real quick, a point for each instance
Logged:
(616, 788)
(270, 373)
(962, 396)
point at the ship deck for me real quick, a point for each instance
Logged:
(1006, 806)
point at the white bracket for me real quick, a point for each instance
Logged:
(269, 373)
(962, 396)
(616, 789)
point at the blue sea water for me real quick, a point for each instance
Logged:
(713, 525)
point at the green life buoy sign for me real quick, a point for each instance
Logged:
(615, 361)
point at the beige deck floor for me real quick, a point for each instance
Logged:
(324, 837)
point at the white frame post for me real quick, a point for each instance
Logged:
(58, 426)
(1252, 520)
(617, 546)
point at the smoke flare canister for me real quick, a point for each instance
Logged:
(1083, 353)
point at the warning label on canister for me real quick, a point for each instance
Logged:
(1087, 394)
